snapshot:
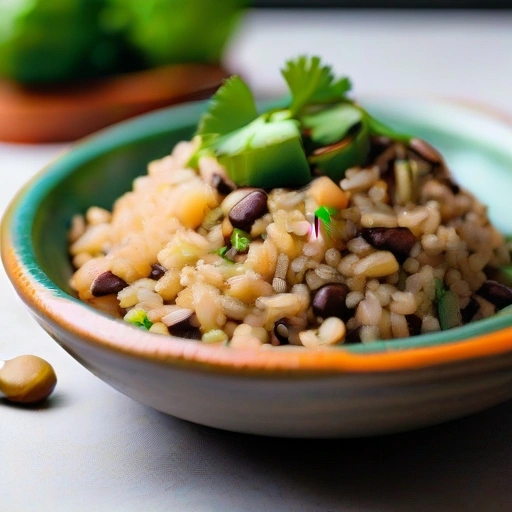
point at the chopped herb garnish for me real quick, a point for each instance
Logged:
(139, 318)
(223, 253)
(323, 215)
(240, 240)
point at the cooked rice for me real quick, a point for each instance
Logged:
(174, 223)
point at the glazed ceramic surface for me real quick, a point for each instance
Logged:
(357, 390)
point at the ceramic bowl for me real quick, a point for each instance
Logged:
(357, 390)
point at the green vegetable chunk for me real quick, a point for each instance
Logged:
(335, 159)
(264, 151)
(448, 310)
(265, 154)
(330, 125)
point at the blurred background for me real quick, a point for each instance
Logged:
(85, 64)
(394, 4)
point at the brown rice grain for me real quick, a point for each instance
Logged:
(369, 333)
(399, 326)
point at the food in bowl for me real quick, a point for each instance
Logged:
(312, 225)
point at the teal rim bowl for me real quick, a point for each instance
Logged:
(100, 168)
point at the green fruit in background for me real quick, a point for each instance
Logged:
(44, 41)
(50, 41)
(177, 31)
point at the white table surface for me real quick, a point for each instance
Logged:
(92, 449)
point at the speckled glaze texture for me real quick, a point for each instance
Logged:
(360, 390)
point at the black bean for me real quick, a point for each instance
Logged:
(353, 336)
(470, 310)
(399, 241)
(222, 186)
(426, 151)
(379, 143)
(185, 329)
(282, 331)
(329, 301)
(496, 293)
(157, 271)
(452, 186)
(248, 209)
(106, 284)
(414, 323)
(385, 159)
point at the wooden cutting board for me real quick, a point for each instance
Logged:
(67, 112)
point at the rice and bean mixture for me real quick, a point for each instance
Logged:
(392, 250)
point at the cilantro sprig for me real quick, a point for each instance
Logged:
(311, 82)
(321, 129)
(231, 108)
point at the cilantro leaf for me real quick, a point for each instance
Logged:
(324, 214)
(331, 125)
(240, 240)
(311, 82)
(230, 108)
(377, 127)
(222, 251)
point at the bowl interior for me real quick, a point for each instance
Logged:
(477, 147)
(96, 172)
